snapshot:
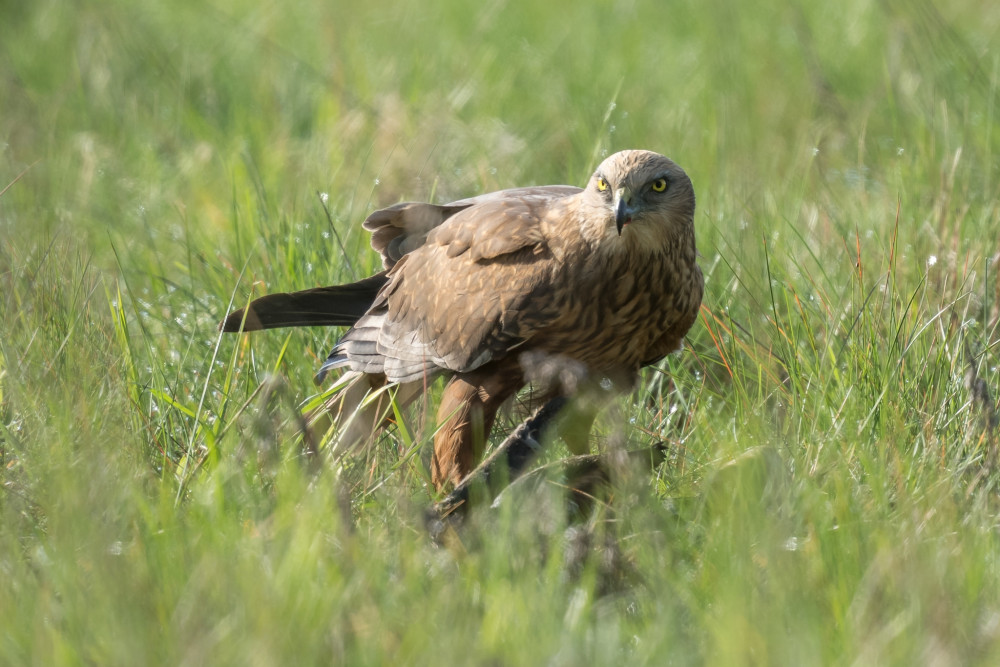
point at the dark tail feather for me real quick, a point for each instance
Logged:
(337, 305)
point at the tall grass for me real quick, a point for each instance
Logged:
(829, 494)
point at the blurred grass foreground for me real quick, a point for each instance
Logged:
(830, 490)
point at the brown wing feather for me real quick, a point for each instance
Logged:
(452, 304)
(401, 229)
(404, 227)
(498, 227)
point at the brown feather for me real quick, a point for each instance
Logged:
(604, 276)
(337, 305)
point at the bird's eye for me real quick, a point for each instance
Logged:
(602, 184)
(659, 185)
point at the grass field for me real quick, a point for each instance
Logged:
(830, 494)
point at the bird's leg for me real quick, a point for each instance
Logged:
(343, 420)
(353, 416)
(468, 407)
(576, 419)
(504, 465)
(583, 476)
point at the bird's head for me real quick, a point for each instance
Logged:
(643, 191)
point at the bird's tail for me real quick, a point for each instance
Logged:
(337, 305)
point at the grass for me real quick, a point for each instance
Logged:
(830, 494)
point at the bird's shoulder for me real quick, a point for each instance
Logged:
(479, 228)
(502, 223)
(401, 228)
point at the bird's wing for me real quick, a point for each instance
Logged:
(457, 301)
(402, 228)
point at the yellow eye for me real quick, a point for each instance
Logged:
(659, 185)
(602, 184)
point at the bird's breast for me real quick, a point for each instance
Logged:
(622, 312)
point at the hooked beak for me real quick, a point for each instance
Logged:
(623, 208)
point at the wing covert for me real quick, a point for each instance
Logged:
(463, 297)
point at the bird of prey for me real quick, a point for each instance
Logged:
(480, 290)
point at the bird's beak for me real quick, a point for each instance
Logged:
(623, 208)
